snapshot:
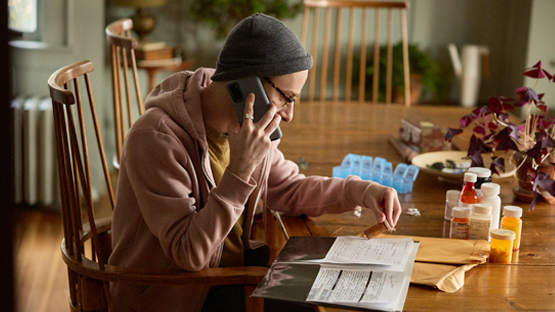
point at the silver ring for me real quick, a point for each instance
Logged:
(249, 116)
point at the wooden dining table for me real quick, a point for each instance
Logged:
(322, 133)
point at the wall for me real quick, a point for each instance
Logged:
(499, 24)
(541, 47)
(72, 31)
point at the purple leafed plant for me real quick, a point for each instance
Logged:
(534, 137)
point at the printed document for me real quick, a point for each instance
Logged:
(342, 271)
(350, 285)
(364, 251)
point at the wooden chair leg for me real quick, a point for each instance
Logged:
(252, 304)
(73, 307)
(93, 295)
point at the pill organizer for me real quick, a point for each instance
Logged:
(378, 170)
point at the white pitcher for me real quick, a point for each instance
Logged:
(475, 62)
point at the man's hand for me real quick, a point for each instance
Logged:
(384, 202)
(249, 143)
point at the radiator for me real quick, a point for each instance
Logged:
(36, 178)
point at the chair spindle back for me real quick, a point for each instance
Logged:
(333, 9)
(75, 178)
(122, 48)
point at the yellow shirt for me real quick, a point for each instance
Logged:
(218, 151)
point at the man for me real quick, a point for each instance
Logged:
(191, 175)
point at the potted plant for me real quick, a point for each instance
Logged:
(223, 15)
(531, 142)
(425, 75)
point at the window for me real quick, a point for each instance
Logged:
(23, 15)
(25, 19)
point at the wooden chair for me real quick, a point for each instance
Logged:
(343, 70)
(122, 50)
(88, 273)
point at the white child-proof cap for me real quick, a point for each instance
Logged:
(481, 172)
(490, 189)
(502, 234)
(512, 211)
(460, 212)
(470, 177)
(453, 195)
(482, 208)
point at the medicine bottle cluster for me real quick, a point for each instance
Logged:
(475, 213)
(378, 170)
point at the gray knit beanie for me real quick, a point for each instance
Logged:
(261, 46)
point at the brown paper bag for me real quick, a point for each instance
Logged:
(448, 251)
(445, 277)
(442, 262)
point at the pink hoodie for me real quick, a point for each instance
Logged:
(169, 213)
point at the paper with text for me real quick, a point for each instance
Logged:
(335, 285)
(351, 272)
(364, 251)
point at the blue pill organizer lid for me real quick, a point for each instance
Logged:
(412, 172)
(400, 171)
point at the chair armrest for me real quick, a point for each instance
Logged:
(165, 277)
(102, 225)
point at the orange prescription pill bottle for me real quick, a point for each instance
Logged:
(501, 246)
(468, 196)
(460, 224)
(377, 229)
(512, 221)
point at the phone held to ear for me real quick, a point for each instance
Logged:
(238, 91)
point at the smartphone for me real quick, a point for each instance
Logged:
(238, 91)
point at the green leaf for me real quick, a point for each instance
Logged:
(223, 15)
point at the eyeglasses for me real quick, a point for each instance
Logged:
(288, 99)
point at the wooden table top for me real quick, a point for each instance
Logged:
(323, 133)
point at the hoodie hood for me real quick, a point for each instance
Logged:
(179, 96)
